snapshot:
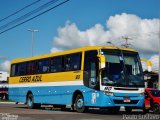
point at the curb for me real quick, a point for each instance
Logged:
(7, 102)
(10, 103)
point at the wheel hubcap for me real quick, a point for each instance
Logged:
(29, 101)
(156, 109)
(80, 103)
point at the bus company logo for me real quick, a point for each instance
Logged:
(37, 78)
(108, 88)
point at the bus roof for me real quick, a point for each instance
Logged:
(69, 52)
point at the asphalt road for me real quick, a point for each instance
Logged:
(21, 112)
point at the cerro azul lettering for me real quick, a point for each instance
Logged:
(25, 79)
(37, 78)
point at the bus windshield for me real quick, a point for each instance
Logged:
(122, 69)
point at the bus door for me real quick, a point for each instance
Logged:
(91, 70)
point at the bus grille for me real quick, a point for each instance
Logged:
(122, 102)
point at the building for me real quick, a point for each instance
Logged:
(3, 85)
(3, 76)
(151, 79)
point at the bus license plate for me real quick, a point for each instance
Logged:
(126, 100)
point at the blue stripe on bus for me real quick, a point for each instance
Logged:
(63, 95)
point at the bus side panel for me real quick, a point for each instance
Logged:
(46, 95)
(63, 95)
(53, 94)
(59, 95)
(16, 95)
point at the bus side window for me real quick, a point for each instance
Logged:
(13, 70)
(72, 62)
(43, 66)
(21, 70)
(56, 64)
(39, 66)
(91, 70)
(31, 67)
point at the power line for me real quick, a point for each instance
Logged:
(19, 10)
(28, 14)
(35, 16)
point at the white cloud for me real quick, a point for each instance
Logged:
(144, 66)
(155, 61)
(144, 33)
(4, 66)
(55, 50)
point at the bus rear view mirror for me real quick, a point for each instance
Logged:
(102, 61)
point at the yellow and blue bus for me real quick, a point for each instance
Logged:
(91, 76)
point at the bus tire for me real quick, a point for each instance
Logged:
(79, 104)
(30, 101)
(156, 108)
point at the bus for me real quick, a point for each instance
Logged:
(104, 77)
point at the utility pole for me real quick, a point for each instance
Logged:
(159, 58)
(32, 31)
(126, 44)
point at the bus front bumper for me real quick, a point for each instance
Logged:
(134, 100)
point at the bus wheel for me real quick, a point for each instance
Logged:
(79, 104)
(30, 101)
(156, 108)
(128, 109)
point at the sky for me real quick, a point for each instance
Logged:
(79, 23)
